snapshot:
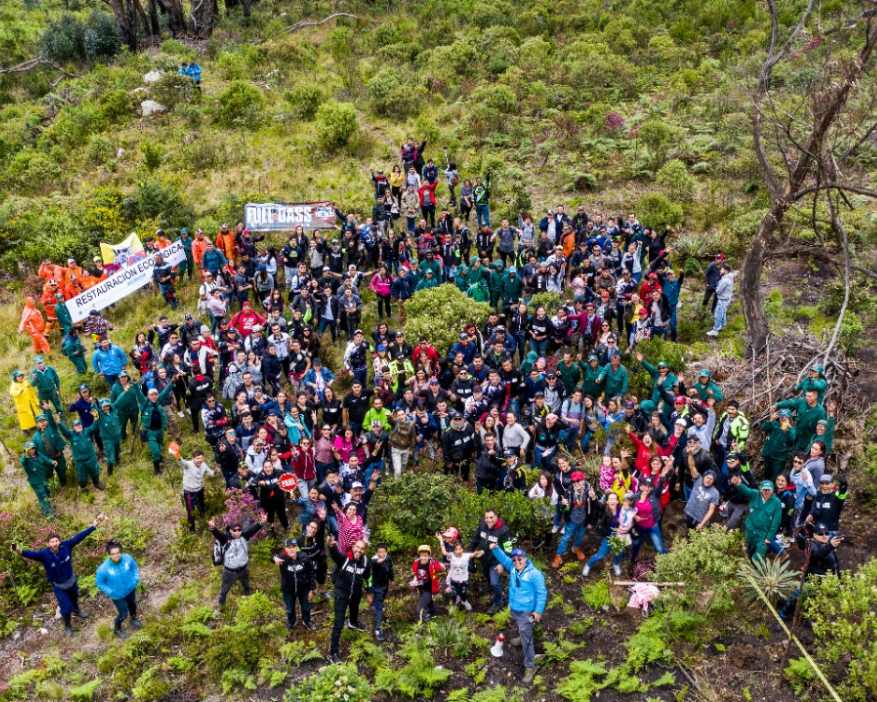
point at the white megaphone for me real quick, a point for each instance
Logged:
(496, 649)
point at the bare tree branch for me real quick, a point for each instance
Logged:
(302, 24)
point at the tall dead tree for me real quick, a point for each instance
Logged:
(799, 129)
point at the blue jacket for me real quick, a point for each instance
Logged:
(59, 566)
(213, 260)
(527, 591)
(109, 362)
(116, 580)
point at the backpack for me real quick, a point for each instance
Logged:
(219, 552)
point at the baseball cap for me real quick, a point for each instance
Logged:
(355, 485)
(825, 479)
(820, 529)
(766, 485)
(784, 413)
(577, 475)
(519, 553)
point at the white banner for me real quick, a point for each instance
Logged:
(122, 283)
(273, 216)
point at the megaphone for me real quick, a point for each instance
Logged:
(496, 649)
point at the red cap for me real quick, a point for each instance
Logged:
(577, 475)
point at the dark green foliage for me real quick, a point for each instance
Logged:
(336, 124)
(304, 100)
(392, 93)
(156, 199)
(240, 105)
(656, 210)
(70, 39)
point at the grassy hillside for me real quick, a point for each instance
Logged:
(620, 106)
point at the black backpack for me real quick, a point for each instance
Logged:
(219, 552)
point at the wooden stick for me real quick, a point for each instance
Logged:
(794, 638)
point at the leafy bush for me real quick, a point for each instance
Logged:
(240, 105)
(656, 134)
(334, 683)
(100, 37)
(336, 124)
(676, 181)
(420, 677)
(841, 612)
(172, 89)
(551, 301)
(392, 93)
(154, 199)
(304, 100)
(440, 313)
(656, 211)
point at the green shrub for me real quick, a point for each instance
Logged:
(656, 211)
(656, 134)
(439, 314)
(336, 124)
(240, 105)
(676, 182)
(116, 105)
(841, 612)
(304, 100)
(153, 154)
(172, 89)
(100, 37)
(392, 94)
(154, 199)
(551, 301)
(334, 683)
(419, 678)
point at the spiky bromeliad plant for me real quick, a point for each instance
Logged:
(774, 578)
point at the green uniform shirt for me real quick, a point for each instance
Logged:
(616, 382)
(805, 419)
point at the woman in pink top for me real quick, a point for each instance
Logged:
(351, 527)
(647, 520)
(380, 285)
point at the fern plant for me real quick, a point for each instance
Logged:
(419, 677)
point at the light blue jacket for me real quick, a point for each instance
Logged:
(116, 580)
(527, 591)
(109, 362)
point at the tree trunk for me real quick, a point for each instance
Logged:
(750, 279)
(154, 25)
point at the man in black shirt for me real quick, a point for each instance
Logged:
(296, 583)
(355, 405)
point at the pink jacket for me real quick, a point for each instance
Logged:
(380, 286)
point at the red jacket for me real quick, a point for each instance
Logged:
(246, 319)
(644, 454)
(426, 193)
(303, 464)
(428, 351)
(435, 570)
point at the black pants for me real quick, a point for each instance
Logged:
(344, 601)
(707, 294)
(424, 605)
(384, 306)
(507, 257)
(289, 599)
(193, 501)
(276, 506)
(458, 468)
(230, 577)
(428, 212)
(195, 409)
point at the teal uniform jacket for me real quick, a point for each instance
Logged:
(661, 389)
(48, 385)
(763, 520)
(615, 382)
(806, 418)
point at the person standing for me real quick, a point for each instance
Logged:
(711, 280)
(235, 554)
(47, 383)
(83, 451)
(153, 422)
(73, 349)
(193, 485)
(724, 292)
(765, 515)
(296, 583)
(110, 432)
(24, 397)
(381, 577)
(126, 398)
(117, 577)
(57, 559)
(527, 598)
(427, 575)
(108, 361)
(352, 571)
(50, 444)
(38, 467)
(492, 531)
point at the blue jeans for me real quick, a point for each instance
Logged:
(330, 324)
(654, 534)
(495, 581)
(571, 532)
(125, 606)
(720, 316)
(604, 551)
(540, 347)
(378, 596)
(371, 467)
(482, 215)
(585, 443)
(539, 458)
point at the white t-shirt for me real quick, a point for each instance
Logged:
(458, 568)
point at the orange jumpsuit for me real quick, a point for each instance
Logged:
(32, 322)
(47, 299)
(225, 243)
(73, 281)
(199, 246)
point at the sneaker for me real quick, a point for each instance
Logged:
(586, 571)
(136, 624)
(466, 605)
(712, 332)
(529, 674)
(616, 570)
(68, 630)
(308, 626)
(493, 609)
(120, 633)
(379, 635)
(181, 414)
(356, 626)
(100, 486)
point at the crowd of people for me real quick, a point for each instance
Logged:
(513, 405)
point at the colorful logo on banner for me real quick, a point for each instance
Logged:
(127, 252)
